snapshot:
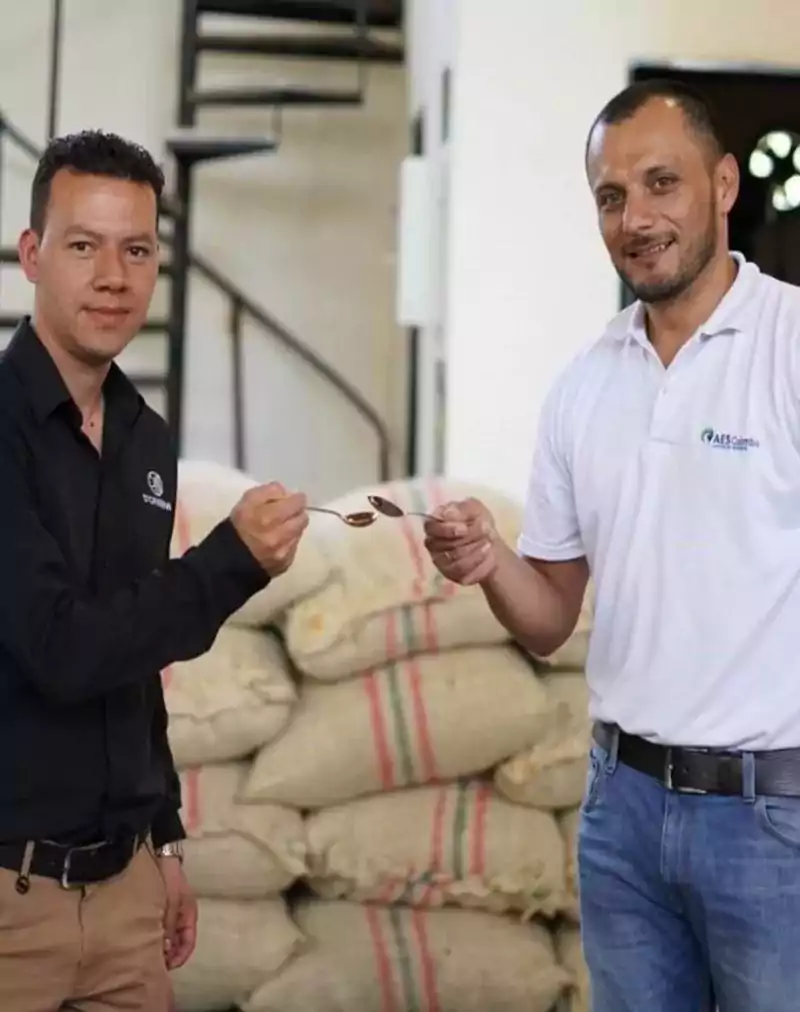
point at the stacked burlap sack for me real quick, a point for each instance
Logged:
(223, 707)
(429, 887)
(394, 751)
(551, 776)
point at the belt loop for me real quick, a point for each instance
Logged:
(749, 777)
(23, 883)
(613, 750)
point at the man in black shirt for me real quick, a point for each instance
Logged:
(94, 908)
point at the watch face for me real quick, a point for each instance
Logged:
(171, 850)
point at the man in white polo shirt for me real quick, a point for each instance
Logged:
(667, 467)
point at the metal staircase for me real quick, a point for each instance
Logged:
(347, 34)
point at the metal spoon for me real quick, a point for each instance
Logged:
(361, 518)
(391, 509)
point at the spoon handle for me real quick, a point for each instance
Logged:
(323, 509)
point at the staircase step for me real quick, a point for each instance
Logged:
(193, 146)
(311, 47)
(274, 96)
(9, 255)
(381, 13)
(10, 321)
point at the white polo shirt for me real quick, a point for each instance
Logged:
(681, 486)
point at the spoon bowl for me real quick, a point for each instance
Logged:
(359, 518)
(391, 509)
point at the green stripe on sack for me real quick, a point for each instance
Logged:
(400, 725)
(409, 630)
(459, 829)
(412, 1003)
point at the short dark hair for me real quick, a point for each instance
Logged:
(699, 112)
(95, 153)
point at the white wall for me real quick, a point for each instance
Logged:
(528, 280)
(308, 233)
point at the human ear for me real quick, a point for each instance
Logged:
(28, 250)
(726, 182)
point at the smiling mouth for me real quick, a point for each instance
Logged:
(650, 251)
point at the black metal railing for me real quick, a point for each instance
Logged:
(242, 307)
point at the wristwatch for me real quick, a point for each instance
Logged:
(171, 850)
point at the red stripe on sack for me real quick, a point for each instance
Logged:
(192, 801)
(166, 677)
(415, 550)
(427, 754)
(383, 963)
(478, 857)
(426, 961)
(382, 752)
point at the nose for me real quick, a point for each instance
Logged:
(110, 271)
(638, 214)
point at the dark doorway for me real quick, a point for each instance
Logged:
(759, 113)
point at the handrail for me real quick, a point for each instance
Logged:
(242, 304)
(289, 340)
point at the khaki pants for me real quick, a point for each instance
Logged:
(93, 949)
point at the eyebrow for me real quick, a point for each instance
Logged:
(606, 185)
(654, 169)
(147, 237)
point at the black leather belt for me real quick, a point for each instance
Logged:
(73, 867)
(704, 771)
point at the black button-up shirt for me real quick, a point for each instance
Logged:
(92, 609)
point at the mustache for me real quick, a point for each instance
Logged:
(643, 242)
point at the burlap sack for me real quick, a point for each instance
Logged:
(552, 774)
(207, 493)
(231, 700)
(376, 959)
(569, 824)
(237, 851)
(385, 600)
(240, 945)
(570, 955)
(430, 846)
(426, 719)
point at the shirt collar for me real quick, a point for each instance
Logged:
(46, 389)
(733, 314)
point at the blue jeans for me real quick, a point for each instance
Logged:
(688, 902)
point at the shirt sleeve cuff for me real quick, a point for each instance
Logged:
(549, 553)
(167, 826)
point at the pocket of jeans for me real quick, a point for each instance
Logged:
(594, 778)
(780, 817)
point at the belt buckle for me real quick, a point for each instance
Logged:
(669, 782)
(669, 767)
(65, 882)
